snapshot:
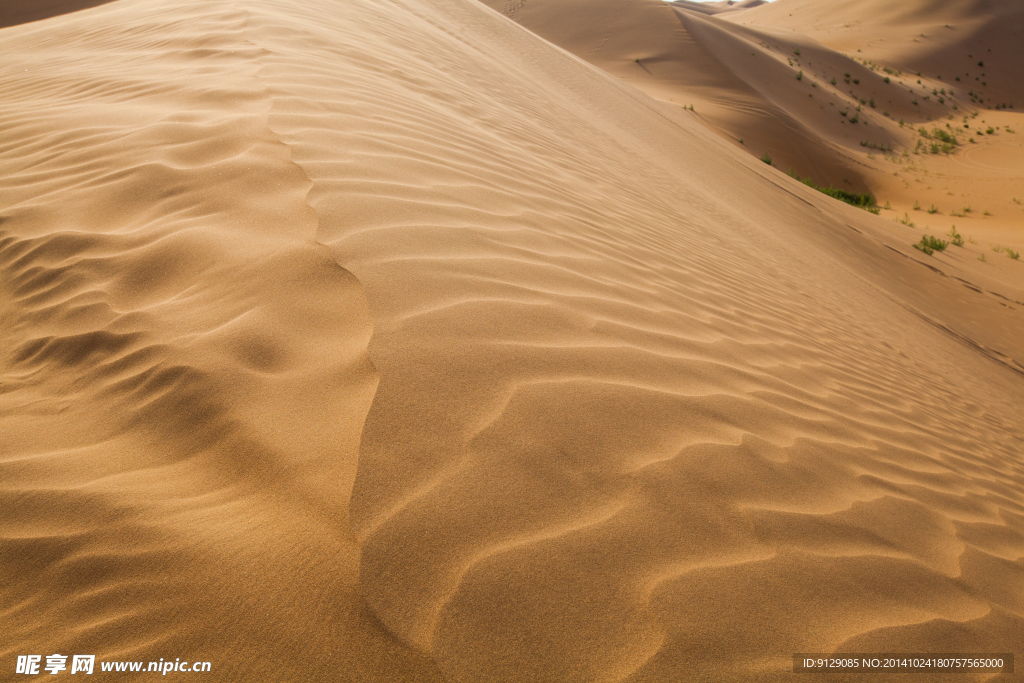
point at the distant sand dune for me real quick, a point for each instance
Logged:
(23, 12)
(836, 92)
(387, 341)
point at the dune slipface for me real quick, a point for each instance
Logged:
(296, 289)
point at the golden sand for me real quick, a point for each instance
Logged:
(385, 340)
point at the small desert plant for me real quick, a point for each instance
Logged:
(955, 238)
(800, 76)
(767, 158)
(985, 213)
(990, 130)
(886, 79)
(862, 200)
(1015, 255)
(833, 80)
(917, 205)
(933, 209)
(797, 52)
(982, 258)
(930, 245)
(906, 220)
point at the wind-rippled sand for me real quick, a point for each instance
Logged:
(384, 341)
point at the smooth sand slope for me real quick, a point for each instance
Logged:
(384, 341)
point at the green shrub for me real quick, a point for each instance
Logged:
(1015, 255)
(956, 238)
(862, 200)
(930, 245)
(767, 158)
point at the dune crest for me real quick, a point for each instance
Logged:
(185, 372)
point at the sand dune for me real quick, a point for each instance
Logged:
(14, 13)
(386, 341)
(716, 7)
(838, 92)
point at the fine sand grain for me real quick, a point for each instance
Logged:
(384, 340)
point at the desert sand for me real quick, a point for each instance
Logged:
(849, 93)
(395, 340)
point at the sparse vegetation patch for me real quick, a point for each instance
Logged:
(930, 245)
(862, 200)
